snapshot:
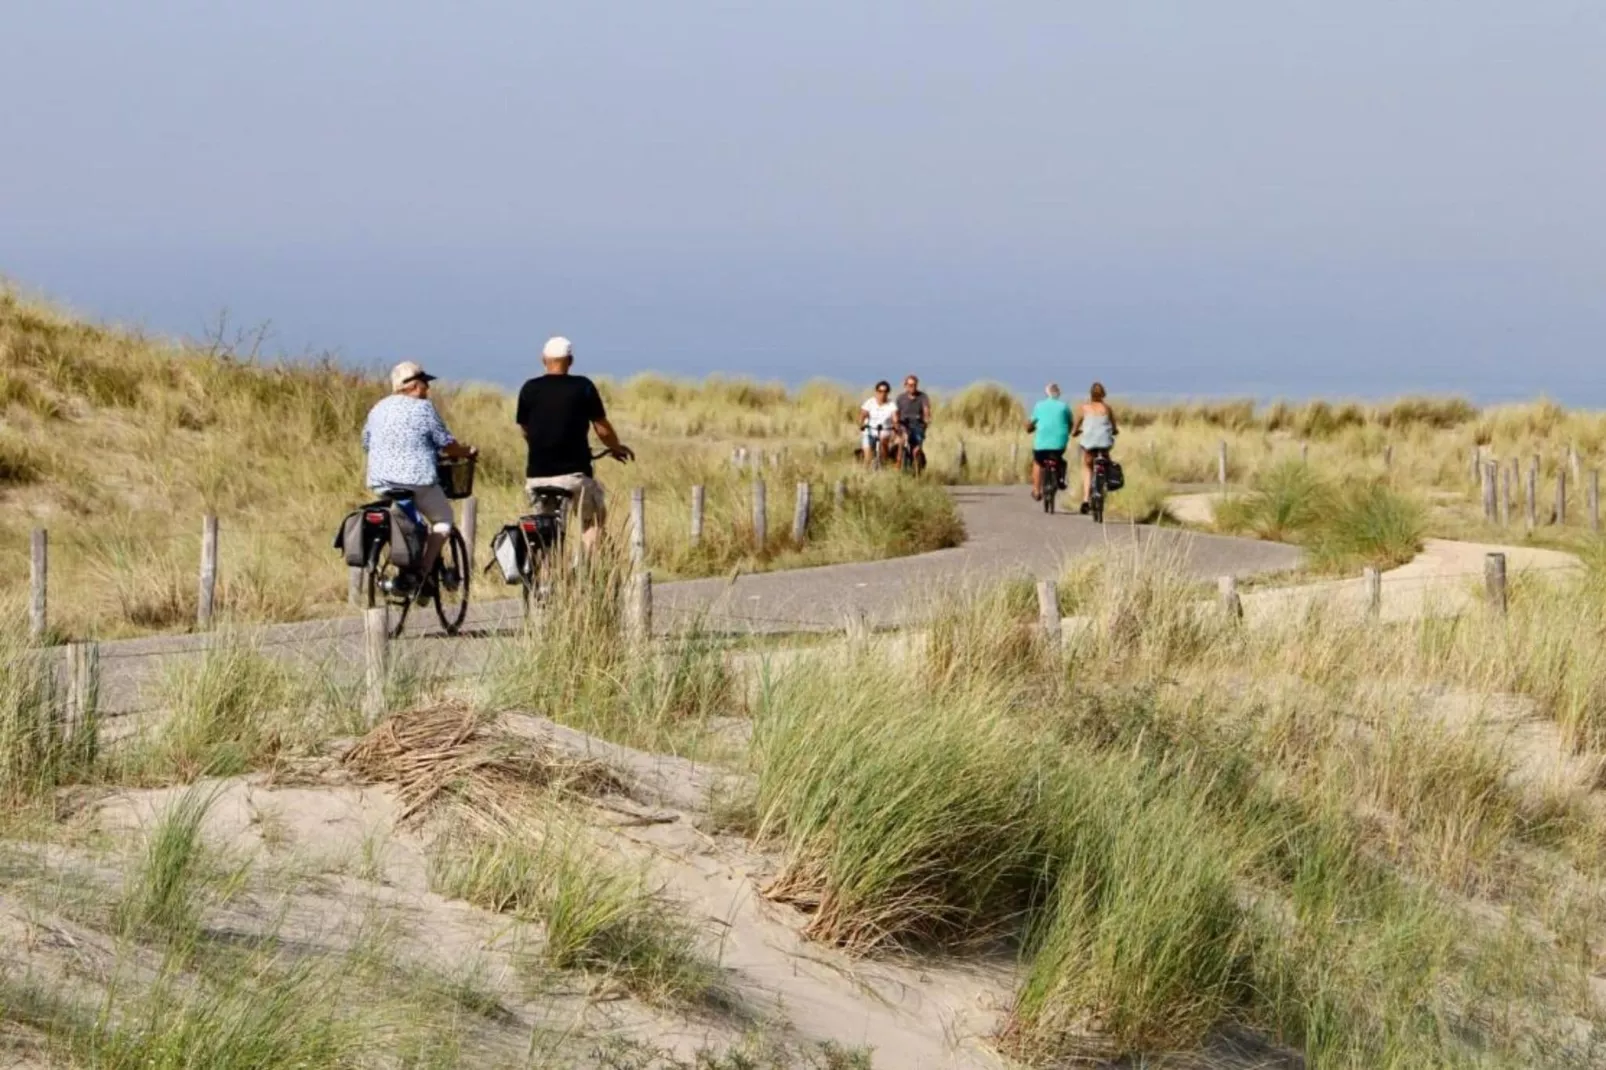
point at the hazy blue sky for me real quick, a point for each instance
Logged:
(1278, 197)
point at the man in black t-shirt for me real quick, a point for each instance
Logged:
(557, 411)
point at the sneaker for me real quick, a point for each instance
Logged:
(1036, 497)
(426, 592)
(1062, 482)
(1087, 508)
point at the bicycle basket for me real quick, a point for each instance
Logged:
(456, 476)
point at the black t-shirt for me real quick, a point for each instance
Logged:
(912, 410)
(557, 412)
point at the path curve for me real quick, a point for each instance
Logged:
(1007, 534)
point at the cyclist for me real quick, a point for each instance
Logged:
(1095, 433)
(556, 412)
(1050, 426)
(914, 416)
(404, 437)
(878, 421)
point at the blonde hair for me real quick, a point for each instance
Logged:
(1097, 393)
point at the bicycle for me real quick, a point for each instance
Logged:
(1052, 474)
(386, 583)
(543, 531)
(911, 458)
(1099, 489)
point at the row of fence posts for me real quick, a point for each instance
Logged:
(1499, 483)
(1231, 602)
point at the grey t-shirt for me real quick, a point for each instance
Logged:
(912, 410)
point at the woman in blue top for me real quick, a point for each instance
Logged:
(1095, 432)
(1050, 426)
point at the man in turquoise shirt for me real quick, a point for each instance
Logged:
(1051, 434)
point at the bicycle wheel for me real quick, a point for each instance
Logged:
(1050, 488)
(1096, 499)
(452, 606)
(380, 573)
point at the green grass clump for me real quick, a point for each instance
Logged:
(907, 818)
(163, 895)
(1343, 524)
(32, 757)
(219, 721)
(1369, 524)
(599, 916)
(571, 666)
(1142, 946)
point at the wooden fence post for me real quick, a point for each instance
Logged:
(1231, 604)
(1503, 476)
(1494, 581)
(1561, 496)
(964, 461)
(1373, 581)
(1594, 500)
(638, 527)
(800, 514)
(839, 493)
(761, 528)
(1048, 610)
(638, 606)
(1573, 464)
(1532, 494)
(1488, 492)
(1477, 463)
(856, 624)
(1388, 457)
(699, 497)
(208, 591)
(81, 715)
(1221, 463)
(1014, 460)
(376, 642)
(38, 582)
(471, 528)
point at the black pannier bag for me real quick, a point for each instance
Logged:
(360, 530)
(1114, 478)
(406, 538)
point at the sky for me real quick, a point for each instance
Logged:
(1246, 197)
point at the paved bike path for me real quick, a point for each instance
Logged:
(1007, 534)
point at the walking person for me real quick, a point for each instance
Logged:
(1050, 426)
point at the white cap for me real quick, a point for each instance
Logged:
(557, 348)
(406, 372)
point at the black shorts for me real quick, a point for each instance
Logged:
(1042, 455)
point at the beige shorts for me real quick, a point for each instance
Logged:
(587, 500)
(431, 501)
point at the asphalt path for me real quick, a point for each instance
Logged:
(1007, 535)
